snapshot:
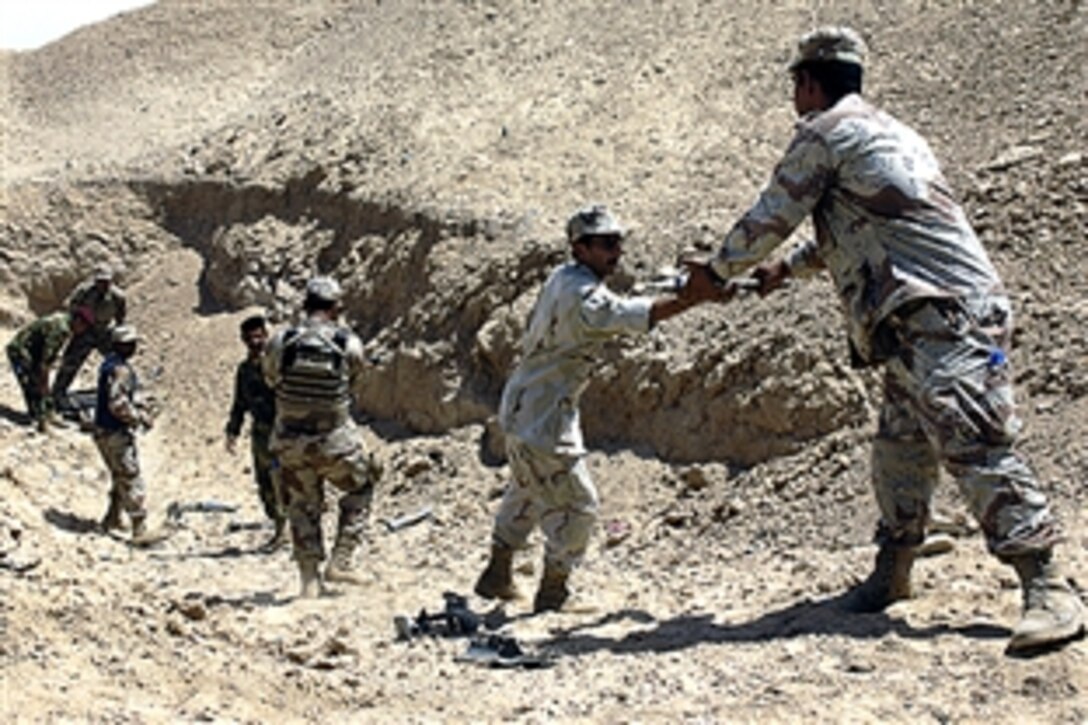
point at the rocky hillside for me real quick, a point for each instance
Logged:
(427, 155)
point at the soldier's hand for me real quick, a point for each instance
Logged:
(147, 421)
(231, 444)
(770, 276)
(703, 285)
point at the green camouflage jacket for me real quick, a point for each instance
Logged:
(41, 342)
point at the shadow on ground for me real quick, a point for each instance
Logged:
(826, 617)
(18, 417)
(71, 522)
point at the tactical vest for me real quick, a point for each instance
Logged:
(314, 376)
(103, 418)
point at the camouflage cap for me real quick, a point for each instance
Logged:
(324, 288)
(828, 43)
(592, 221)
(103, 273)
(124, 333)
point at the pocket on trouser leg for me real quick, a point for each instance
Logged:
(129, 461)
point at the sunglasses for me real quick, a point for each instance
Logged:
(609, 243)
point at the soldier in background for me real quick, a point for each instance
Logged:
(253, 396)
(313, 368)
(107, 301)
(574, 314)
(117, 418)
(923, 299)
(33, 351)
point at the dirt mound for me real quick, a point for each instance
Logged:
(426, 155)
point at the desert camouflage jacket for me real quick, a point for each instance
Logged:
(887, 226)
(39, 343)
(573, 315)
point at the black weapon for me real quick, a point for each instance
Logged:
(454, 621)
(176, 509)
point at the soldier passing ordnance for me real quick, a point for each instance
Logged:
(33, 351)
(106, 301)
(923, 299)
(253, 396)
(117, 418)
(574, 314)
(313, 368)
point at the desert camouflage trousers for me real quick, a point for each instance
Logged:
(948, 400)
(266, 472)
(118, 449)
(305, 463)
(554, 491)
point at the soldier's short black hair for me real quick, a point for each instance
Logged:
(836, 78)
(254, 322)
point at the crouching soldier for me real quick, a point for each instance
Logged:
(35, 349)
(574, 315)
(313, 369)
(252, 395)
(117, 418)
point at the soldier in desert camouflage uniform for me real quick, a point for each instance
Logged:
(253, 396)
(574, 314)
(107, 303)
(313, 368)
(34, 350)
(922, 298)
(117, 418)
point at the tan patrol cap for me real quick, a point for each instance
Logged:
(324, 288)
(124, 333)
(829, 43)
(593, 221)
(103, 273)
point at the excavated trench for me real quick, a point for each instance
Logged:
(440, 300)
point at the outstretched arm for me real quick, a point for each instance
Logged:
(699, 287)
(796, 186)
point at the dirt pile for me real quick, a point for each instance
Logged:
(427, 156)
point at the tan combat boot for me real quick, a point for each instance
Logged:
(553, 591)
(1053, 613)
(889, 582)
(310, 586)
(497, 580)
(341, 568)
(112, 521)
(141, 535)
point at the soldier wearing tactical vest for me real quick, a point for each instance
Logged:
(117, 418)
(313, 368)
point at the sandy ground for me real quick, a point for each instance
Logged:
(427, 155)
